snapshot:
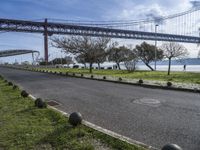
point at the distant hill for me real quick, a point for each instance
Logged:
(187, 61)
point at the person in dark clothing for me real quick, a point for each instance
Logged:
(184, 67)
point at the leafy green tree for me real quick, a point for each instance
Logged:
(120, 54)
(146, 53)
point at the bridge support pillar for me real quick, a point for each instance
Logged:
(45, 42)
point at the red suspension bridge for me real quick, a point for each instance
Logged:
(184, 27)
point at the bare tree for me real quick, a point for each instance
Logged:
(132, 59)
(102, 54)
(81, 59)
(130, 65)
(173, 50)
(83, 46)
(146, 53)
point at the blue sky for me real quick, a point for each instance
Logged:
(80, 10)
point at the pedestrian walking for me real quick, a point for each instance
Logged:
(184, 67)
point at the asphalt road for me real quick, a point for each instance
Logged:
(152, 116)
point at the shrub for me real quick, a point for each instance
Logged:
(40, 103)
(140, 81)
(92, 76)
(55, 72)
(10, 83)
(120, 79)
(104, 77)
(66, 73)
(60, 73)
(24, 94)
(169, 84)
(5, 81)
(73, 74)
(81, 75)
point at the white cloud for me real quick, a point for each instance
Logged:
(131, 10)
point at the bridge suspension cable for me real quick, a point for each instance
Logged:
(182, 27)
(124, 22)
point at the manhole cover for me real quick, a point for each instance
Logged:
(52, 103)
(148, 101)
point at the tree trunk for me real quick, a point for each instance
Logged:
(85, 66)
(99, 67)
(169, 67)
(118, 65)
(90, 67)
(149, 67)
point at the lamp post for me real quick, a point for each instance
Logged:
(155, 45)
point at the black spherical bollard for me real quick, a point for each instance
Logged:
(40, 103)
(10, 84)
(15, 87)
(140, 81)
(75, 118)
(171, 147)
(24, 94)
(37, 100)
(169, 84)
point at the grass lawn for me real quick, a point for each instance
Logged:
(184, 77)
(23, 126)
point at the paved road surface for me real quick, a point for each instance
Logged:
(152, 116)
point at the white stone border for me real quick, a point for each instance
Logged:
(103, 130)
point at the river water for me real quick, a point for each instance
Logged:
(189, 68)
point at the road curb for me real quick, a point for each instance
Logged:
(103, 130)
(115, 81)
(128, 83)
